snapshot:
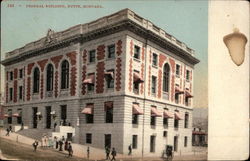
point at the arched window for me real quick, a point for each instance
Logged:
(65, 75)
(50, 74)
(166, 77)
(36, 80)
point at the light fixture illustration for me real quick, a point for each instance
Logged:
(236, 43)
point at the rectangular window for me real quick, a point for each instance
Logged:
(186, 120)
(89, 118)
(177, 69)
(136, 52)
(110, 79)
(111, 51)
(152, 143)
(153, 120)
(92, 56)
(11, 94)
(63, 114)
(134, 142)
(165, 134)
(185, 141)
(187, 75)
(20, 73)
(11, 75)
(89, 138)
(165, 121)
(91, 86)
(135, 118)
(176, 96)
(10, 116)
(153, 88)
(155, 59)
(176, 123)
(20, 92)
(109, 112)
(186, 101)
(19, 118)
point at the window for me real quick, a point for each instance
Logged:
(165, 121)
(20, 92)
(65, 75)
(20, 73)
(63, 114)
(186, 120)
(152, 143)
(36, 80)
(177, 69)
(11, 94)
(109, 76)
(50, 73)
(185, 141)
(155, 59)
(165, 134)
(11, 75)
(92, 56)
(19, 118)
(187, 75)
(135, 118)
(10, 116)
(89, 118)
(88, 138)
(109, 111)
(176, 122)
(136, 52)
(111, 51)
(91, 86)
(176, 96)
(166, 78)
(134, 142)
(187, 101)
(153, 120)
(153, 88)
(137, 81)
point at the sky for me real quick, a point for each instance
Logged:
(185, 20)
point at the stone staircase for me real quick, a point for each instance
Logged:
(35, 133)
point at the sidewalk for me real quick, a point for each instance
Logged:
(99, 154)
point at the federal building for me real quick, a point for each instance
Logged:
(116, 81)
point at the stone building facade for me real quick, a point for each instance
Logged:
(117, 81)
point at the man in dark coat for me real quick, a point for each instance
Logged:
(107, 152)
(70, 150)
(130, 149)
(8, 132)
(35, 144)
(113, 153)
(60, 145)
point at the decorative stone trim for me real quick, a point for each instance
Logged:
(118, 74)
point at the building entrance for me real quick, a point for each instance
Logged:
(108, 140)
(48, 117)
(34, 117)
(175, 143)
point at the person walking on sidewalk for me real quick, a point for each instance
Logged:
(7, 132)
(130, 149)
(113, 153)
(70, 150)
(88, 152)
(35, 144)
(107, 152)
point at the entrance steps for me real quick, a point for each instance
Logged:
(35, 133)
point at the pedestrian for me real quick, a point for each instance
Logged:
(7, 132)
(35, 144)
(107, 152)
(10, 128)
(55, 124)
(42, 141)
(22, 126)
(50, 141)
(70, 150)
(66, 145)
(63, 139)
(60, 145)
(55, 142)
(169, 154)
(88, 152)
(45, 141)
(113, 153)
(130, 149)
